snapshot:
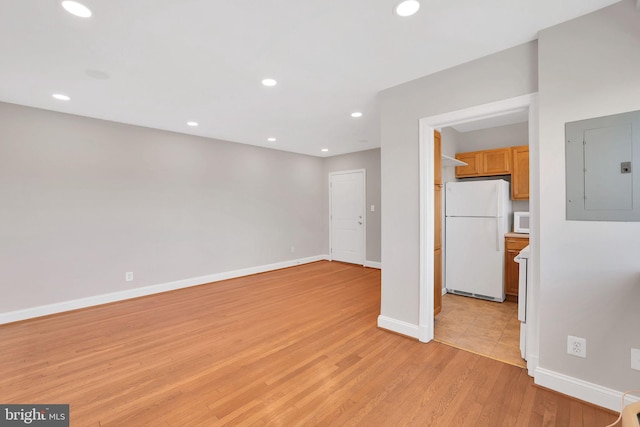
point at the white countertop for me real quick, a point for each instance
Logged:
(517, 235)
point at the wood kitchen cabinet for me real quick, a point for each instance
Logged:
(437, 226)
(437, 210)
(437, 158)
(513, 244)
(474, 164)
(520, 173)
(484, 163)
(512, 161)
(437, 279)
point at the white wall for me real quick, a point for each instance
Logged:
(83, 201)
(495, 137)
(504, 75)
(589, 271)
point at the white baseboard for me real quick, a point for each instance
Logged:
(532, 364)
(398, 326)
(583, 390)
(373, 264)
(44, 310)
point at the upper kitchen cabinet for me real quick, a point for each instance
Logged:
(484, 163)
(497, 162)
(520, 173)
(473, 167)
(512, 161)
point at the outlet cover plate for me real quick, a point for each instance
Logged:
(577, 346)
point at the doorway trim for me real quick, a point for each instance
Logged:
(427, 126)
(364, 212)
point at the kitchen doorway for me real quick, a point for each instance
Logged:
(528, 104)
(474, 226)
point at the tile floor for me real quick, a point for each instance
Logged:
(488, 328)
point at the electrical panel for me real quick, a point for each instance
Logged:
(601, 157)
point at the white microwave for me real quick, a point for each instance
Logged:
(521, 222)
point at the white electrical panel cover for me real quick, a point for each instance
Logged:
(602, 164)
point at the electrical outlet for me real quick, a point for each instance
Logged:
(576, 346)
(128, 276)
(293, 249)
(635, 359)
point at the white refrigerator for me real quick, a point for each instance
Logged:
(477, 216)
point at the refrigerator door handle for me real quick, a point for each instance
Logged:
(498, 228)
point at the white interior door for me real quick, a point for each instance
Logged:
(347, 216)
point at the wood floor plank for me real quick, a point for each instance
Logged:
(293, 347)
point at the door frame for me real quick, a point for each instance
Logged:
(364, 212)
(427, 126)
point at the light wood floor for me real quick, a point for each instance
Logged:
(294, 347)
(485, 327)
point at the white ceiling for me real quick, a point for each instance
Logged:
(161, 63)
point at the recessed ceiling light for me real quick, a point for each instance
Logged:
(61, 97)
(269, 82)
(193, 124)
(76, 9)
(324, 150)
(356, 114)
(271, 139)
(407, 8)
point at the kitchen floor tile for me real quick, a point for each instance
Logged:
(484, 327)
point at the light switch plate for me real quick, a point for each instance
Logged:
(635, 359)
